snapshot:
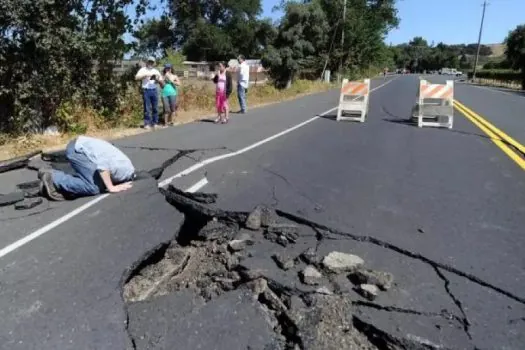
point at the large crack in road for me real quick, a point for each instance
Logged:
(264, 265)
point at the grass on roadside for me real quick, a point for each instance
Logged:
(196, 101)
(514, 85)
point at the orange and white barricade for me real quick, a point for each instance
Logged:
(354, 100)
(436, 104)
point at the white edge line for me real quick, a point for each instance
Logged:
(15, 245)
(200, 184)
(495, 89)
(50, 226)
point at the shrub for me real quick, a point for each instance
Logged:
(498, 74)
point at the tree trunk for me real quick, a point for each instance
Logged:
(290, 80)
(523, 78)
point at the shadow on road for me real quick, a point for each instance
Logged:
(207, 120)
(409, 122)
(328, 116)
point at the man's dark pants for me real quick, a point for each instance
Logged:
(85, 182)
(151, 102)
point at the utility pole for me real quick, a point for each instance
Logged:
(342, 40)
(479, 40)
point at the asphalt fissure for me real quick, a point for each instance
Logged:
(216, 252)
(413, 255)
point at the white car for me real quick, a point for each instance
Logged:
(450, 71)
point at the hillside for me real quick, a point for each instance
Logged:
(497, 49)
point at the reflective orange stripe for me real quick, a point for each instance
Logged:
(354, 88)
(436, 91)
(448, 94)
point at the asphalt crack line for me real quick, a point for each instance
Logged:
(465, 321)
(444, 314)
(416, 256)
(317, 207)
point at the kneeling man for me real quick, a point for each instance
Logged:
(99, 166)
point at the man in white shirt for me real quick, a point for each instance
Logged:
(150, 76)
(242, 83)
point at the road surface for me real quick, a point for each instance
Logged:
(451, 197)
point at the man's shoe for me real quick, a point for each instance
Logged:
(48, 188)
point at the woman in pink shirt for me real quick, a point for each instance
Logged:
(223, 83)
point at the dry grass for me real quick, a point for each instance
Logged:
(196, 101)
(498, 83)
(498, 50)
(29, 143)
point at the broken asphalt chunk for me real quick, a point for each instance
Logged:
(338, 262)
(240, 242)
(284, 262)
(311, 276)
(215, 229)
(11, 198)
(253, 222)
(28, 203)
(309, 256)
(248, 274)
(37, 163)
(272, 301)
(28, 185)
(381, 279)
(282, 240)
(257, 286)
(16, 163)
(291, 231)
(268, 216)
(205, 198)
(328, 325)
(324, 290)
(369, 291)
(261, 216)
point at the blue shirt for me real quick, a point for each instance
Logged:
(106, 157)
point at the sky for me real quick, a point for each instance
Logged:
(448, 21)
(456, 21)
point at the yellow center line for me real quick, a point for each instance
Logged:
(499, 140)
(491, 126)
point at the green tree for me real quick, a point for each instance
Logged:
(155, 37)
(218, 30)
(464, 62)
(365, 26)
(302, 31)
(51, 51)
(515, 51)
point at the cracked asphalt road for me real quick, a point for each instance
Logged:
(449, 195)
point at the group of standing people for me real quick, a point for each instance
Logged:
(170, 83)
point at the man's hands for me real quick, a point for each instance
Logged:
(106, 178)
(121, 187)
